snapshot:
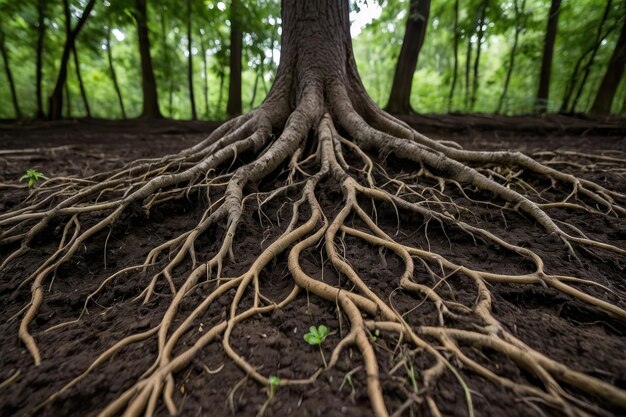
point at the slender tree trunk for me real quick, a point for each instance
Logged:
(118, 92)
(56, 98)
(150, 108)
(541, 102)
(221, 93)
(254, 88)
(192, 100)
(596, 45)
(608, 87)
(68, 99)
(509, 72)
(456, 54)
(205, 69)
(83, 92)
(468, 66)
(481, 36)
(166, 60)
(414, 34)
(233, 108)
(9, 75)
(41, 32)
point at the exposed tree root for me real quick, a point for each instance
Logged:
(204, 170)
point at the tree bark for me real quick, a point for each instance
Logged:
(541, 102)
(56, 98)
(9, 75)
(456, 54)
(587, 69)
(233, 108)
(118, 92)
(414, 34)
(518, 29)
(481, 35)
(83, 93)
(192, 100)
(608, 87)
(41, 32)
(150, 108)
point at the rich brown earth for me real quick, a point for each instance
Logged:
(563, 328)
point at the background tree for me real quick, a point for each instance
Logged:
(608, 88)
(234, 85)
(414, 34)
(148, 82)
(541, 103)
(56, 99)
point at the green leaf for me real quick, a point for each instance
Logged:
(316, 335)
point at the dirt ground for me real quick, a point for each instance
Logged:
(565, 329)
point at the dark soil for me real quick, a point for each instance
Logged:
(565, 329)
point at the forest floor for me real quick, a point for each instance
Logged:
(566, 329)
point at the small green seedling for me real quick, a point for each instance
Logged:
(274, 382)
(316, 336)
(374, 336)
(33, 176)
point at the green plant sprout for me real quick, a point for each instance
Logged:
(33, 176)
(316, 336)
(375, 335)
(274, 382)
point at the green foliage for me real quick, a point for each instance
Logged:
(33, 176)
(376, 45)
(274, 382)
(316, 335)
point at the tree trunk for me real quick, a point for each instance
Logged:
(166, 60)
(83, 93)
(456, 54)
(509, 72)
(541, 102)
(9, 74)
(41, 31)
(468, 66)
(608, 87)
(192, 100)
(233, 108)
(150, 108)
(55, 106)
(597, 42)
(68, 101)
(481, 35)
(414, 34)
(220, 95)
(205, 69)
(118, 92)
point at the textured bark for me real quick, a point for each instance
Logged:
(150, 108)
(414, 34)
(9, 75)
(83, 92)
(608, 87)
(541, 102)
(118, 92)
(233, 108)
(56, 98)
(518, 29)
(41, 32)
(192, 100)
(456, 54)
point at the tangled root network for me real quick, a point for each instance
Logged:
(327, 143)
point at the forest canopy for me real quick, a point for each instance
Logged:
(511, 35)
